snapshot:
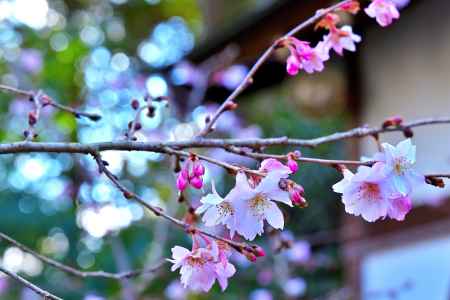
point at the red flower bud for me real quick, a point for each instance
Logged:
(259, 251)
(32, 119)
(135, 104)
(392, 122)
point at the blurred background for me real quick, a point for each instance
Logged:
(100, 54)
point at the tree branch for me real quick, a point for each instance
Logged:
(359, 132)
(51, 102)
(31, 286)
(102, 165)
(264, 57)
(75, 272)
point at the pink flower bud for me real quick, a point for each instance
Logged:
(295, 197)
(250, 256)
(259, 251)
(196, 182)
(181, 182)
(292, 65)
(199, 170)
(293, 165)
(184, 173)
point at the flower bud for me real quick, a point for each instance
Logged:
(231, 105)
(293, 165)
(297, 198)
(184, 173)
(408, 133)
(196, 182)
(181, 182)
(249, 255)
(392, 122)
(137, 126)
(135, 104)
(198, 170)
(32, 119)
(259, 251)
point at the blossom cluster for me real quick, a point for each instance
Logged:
(243, 211)
(201, 266)
(311, 59)
(384, 189)
(379, 189)
(252, 201)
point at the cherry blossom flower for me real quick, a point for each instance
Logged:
(341, 39)
(254, 205)
(399, 164)
(201, 267)
(271, 164)
(197, 267)
(223, 272)
(384, 11)
(218, 210)
(369, 193)
(303, 57)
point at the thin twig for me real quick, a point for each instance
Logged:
(74, 271)
(51, 102)
(102, 165)
(264, 57)
(328, 162)
(31, 286)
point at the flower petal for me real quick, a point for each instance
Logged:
(274, 216)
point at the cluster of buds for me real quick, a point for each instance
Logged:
(191, 174)
(252, 252)
(296, 192)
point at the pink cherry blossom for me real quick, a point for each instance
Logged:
(254, 205)
(369, 193)
(303, 57)
(399, 165)
(201, 267)
(384, 11)
(271, 164)
(341, 39)
(197, 267)
(400, 207)
(218, 210)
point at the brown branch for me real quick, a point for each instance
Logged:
(231, 145)
(159, 212)
(51, 102)
(264, 57)
(359, 132)
(74, 271)
(31, 286)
